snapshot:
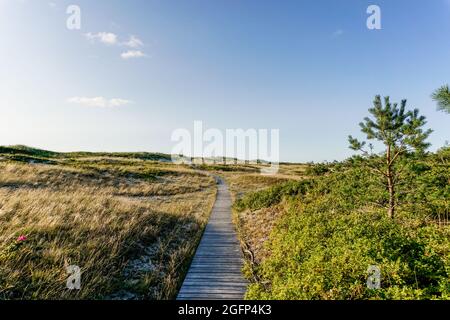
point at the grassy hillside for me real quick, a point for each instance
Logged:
(131, 221)
(316, 238)
(27, 154)
(131, 224)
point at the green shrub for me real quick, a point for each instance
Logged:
(27, 151)
(317, 169)
(331, 232)
(271, 196)
(325, 255)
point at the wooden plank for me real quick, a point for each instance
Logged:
(222, 254)
(231, 281)
(215, 274)
(215, 259)
(216, 285)
(213, 286)
(215, 262)
(205, 290)
(216, 270)
(210, 296)
(213, 268)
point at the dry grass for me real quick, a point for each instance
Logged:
(244, 182)
(292, 171)
(254, 227)
(102, 216)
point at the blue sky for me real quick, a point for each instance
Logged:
(308, 68)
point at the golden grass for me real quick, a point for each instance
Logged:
(101, 217)
(255, 227)
(244, 182)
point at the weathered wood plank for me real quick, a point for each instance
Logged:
(204, 290)
(210, 296)
(216, 260)
(197, 281)
(215, 272)
(214, 285)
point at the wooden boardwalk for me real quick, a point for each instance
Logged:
(215, 272)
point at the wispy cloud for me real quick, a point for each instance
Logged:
(52, 4)
(134, 42)
(118, 102)
(99, 102)
(111, 39)
(107, 38)
(132, 54)
(338, 33)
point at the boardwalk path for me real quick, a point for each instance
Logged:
(215, 272)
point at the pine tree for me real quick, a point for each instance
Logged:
(442, 97)
(401, 133)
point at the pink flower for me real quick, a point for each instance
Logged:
(21, 238)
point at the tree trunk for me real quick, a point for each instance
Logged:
(390, 181)
(391, 209)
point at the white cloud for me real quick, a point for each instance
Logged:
(112, 39)
(104, 37)
(99, 102)
(130, 54)
(117, 102)
(338, 33)
(134, 42)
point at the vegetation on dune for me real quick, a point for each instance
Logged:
(34, 153)
(27, 151)
(325, 255)
(131, 221)
(401, 133)
(242, 183)
(316, 169)
(271, 196)
(317, 238)
(227, 167)
(132, 227)
(125, 155)
(327, 235)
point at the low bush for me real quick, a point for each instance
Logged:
(335, 226)
(272, 195)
